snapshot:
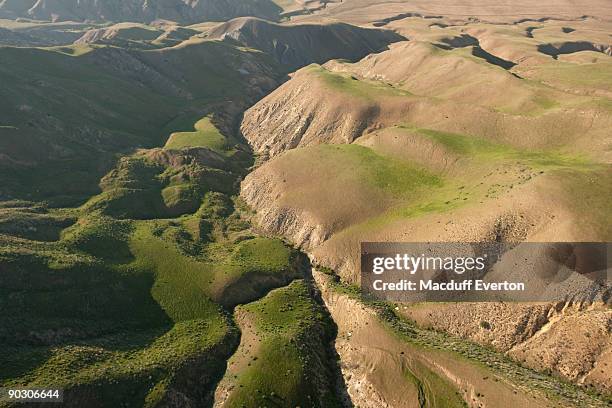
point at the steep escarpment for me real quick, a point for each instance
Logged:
(302, 227)
(365, 184)
(311, 109)
(294, 46)
(587, 331)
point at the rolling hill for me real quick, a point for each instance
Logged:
(146, 11)
(133, 97)
(428, 141)
(298, 45)
(181, 11)
(134, 256)
(181, 205)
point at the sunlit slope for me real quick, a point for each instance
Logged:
(154, 287)
(490, 11)
(469, 133)
(337, 104)
(205, 134)
(439, 105)
(479, 152)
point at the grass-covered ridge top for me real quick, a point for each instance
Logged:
(361, 88)
(391, 176)
(290, 332)
(205, 135)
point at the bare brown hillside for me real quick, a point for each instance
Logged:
(465, 132)
(381, 11)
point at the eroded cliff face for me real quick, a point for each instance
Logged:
(572, 340)
(307, 111)
(538, 335)
(298, 226)
(383, 369)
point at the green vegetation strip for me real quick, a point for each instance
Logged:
(484, 149)
(395, 177)
(434, 391)
(399, 177)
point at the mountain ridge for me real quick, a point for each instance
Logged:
(183, 11)
(295, 46)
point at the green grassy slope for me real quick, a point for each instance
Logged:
(293, 332)
(364, 89)
(205, 135)
(125, 311)
(479, 159)
(394, 177)
(66, 114)
(121, 261)
(485, 150)
(128, 310)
